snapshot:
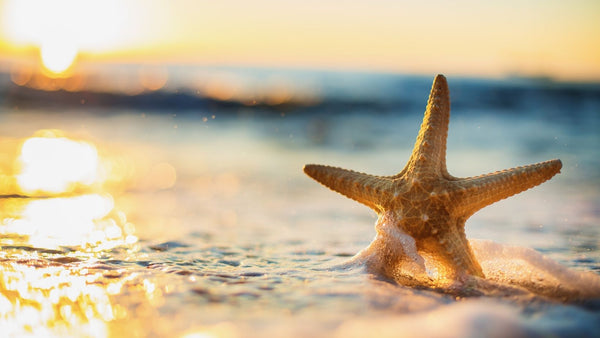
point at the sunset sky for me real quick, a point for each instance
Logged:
(553, 38)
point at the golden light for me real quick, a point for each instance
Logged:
(63, 28)
(73, 221)
(56, 165)
(52, 302)
(37, 297)
(58, 56)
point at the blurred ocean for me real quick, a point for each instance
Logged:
(198, 219)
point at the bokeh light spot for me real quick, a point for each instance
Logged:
(55, 164)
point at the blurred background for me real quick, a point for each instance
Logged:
(134, 46)
(151, 153)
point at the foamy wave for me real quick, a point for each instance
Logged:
(527, 268)
(510, 271)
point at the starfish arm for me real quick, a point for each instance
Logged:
(363, 188)
(477, 192)
(429, 152)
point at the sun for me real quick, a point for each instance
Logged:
(58, 56)
(62, 29)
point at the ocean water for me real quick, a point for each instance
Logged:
(199, 221)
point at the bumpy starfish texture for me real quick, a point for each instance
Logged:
(424, 201)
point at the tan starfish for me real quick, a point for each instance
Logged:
(422, 210)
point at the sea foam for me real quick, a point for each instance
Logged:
(529, 269)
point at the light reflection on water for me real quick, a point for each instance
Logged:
(70, 221)
(52, 164)
(42, 292)
(50, 301)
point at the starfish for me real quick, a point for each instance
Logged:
(422, 210)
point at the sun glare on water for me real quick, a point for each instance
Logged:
(74, 210)
(71, 220)
(56, 164)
